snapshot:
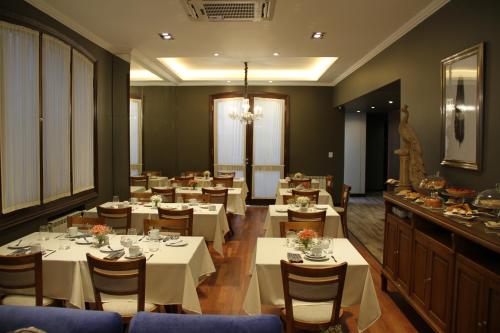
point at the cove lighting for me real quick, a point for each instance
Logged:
(143, 75)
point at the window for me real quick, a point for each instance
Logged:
(46, 119)
(135, 136)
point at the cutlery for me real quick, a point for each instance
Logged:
(48, 254)
(58, 236)
(334, 258)
(152, 254)
(18, 243)
(110, 248)
(86, 240)
(140, 239)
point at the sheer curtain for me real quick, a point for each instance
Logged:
(229, 137)
(83, 123)
(19, 117)
(56, 62)
(268, 147)
(135, 136)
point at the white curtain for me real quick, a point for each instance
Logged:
(135, 136)
(229, 137)
(19, 117)
(83, 123)
(56, 62)
(268, 147)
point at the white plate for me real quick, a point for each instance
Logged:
(83, 242)
(114, 248)
(135, 257)
(150, 239)
(282, 210)
(314, 258)
(176, 242)
(79, 234)
(14, 246)
(321, 208)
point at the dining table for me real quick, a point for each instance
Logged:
(283, 183)
(209, 220)
(266, 287)
(158, 181)
(238, 182)
(134, 189)
(279, 213)
(172, 272)
(324, 197)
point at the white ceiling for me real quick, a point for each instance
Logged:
(356, 31)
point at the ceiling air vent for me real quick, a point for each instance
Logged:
(229, 10)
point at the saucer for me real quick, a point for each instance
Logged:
(176, 242)
(114, 248)
(84, 241)
(315, 258)
(140, 255)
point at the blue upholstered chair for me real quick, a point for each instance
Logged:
(51, 319)
(145, 322)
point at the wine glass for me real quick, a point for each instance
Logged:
(43, 233)
(290, 238)
(116, 198)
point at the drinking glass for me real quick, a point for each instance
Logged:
(132, 232)
(116, 198)
(125, 241)
(43, 233)
(290, 238)
(154, 245)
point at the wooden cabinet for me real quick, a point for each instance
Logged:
(477, 298)
(397, 251)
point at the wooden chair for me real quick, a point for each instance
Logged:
(226, 174)
(198, 196)
(329, 184)
(167, 194)
(342, 210)
(313, 195)
(183, 181)
(23, 272)
(294, 215)
(296, 226)
(139, 181)
(120, 278)
(84, 223)
(227, 182)
(321, 287)
(151, 173)
(179, 226)
(124, 214)
(217, 196)
(192, 173)
(288, 199)
(293, 183)
(143, 197)
(181, 214)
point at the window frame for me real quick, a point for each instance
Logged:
(72, 201)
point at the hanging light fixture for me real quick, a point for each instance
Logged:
(244, 115)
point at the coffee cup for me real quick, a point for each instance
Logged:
(134, 250)
(35, 247)
(72, 231)
(317, 251)
(154, 233)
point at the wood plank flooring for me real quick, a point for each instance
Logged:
(224, 291)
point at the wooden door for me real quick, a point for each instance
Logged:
(419, 289)
(404, 265)
(491, 313)
(390, 245)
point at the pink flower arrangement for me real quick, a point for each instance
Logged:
(306, 234)
(193, 183)
(99, 230)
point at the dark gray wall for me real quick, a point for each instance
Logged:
(179, 117)
(112, 99)
(415, 59)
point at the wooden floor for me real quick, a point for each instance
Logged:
(224, 291)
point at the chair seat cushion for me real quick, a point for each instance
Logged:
(316, 313)
(126, 308)
(25, 300)
(339, 209)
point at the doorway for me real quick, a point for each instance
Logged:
(256, 151)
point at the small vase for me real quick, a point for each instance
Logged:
(100, 241)
(303, 208)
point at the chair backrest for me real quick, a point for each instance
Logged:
(118, 278)
(296, 226)
(22, 272)
(288, 199)
(312, 284)
(182, 226)
(225, 181)
(192, 173)
(226, 173)
(329, 184)
(217, 196)
(294, 215)
(178, 215)
(183, 181)
(198, 196)
(151, 173)
(142, 196)
(167, 194)
(344, 199)
(84, 222)
(292, 183)
(313, 195)
(139, 181)
(123, 214)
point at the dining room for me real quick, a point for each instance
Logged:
(249, 165)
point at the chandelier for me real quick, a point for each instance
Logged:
(244, 115)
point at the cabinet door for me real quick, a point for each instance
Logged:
(404, 256)
(491, 322)
(441, 266)
(419, 289)
(390, 244)
(468, 298)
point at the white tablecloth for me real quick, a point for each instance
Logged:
(137, 189)
(158, 181)
(172, 274)
(278, 213)
(266, 287)
(212, 225)
(207, 182)
(324, 197)
(283, 183)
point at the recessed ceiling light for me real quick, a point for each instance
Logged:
(390, 102)
(270, 81)
(228, 81)
(216, 54)
(276, 54)
(318, 35)
(166, 35)
(372, 107)
(358, 111)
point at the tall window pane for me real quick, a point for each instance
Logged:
(135, 136)
(19, 117)
(56, 62)
(83, 123)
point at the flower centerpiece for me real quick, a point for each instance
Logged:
(206, 174)
(100, 233)
(305, 238)
(303, 202)
(193, 183)
(156, 199)
(298, 175)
